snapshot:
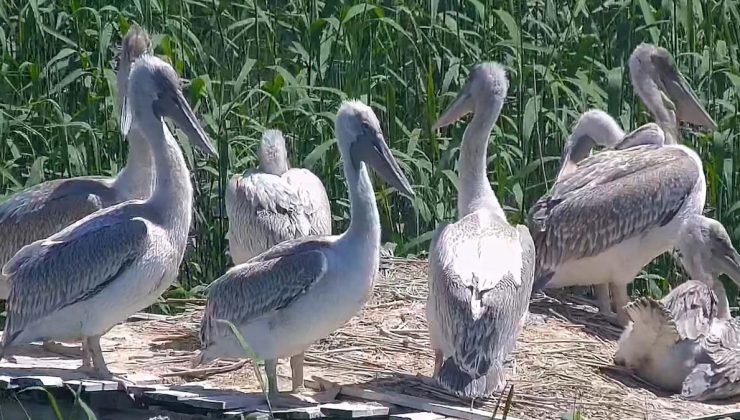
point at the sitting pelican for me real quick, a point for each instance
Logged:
(81, 281)
(480, 268)
(274, 203)
(44, 209)
(301, 290)
(610, 214)
(687, 342)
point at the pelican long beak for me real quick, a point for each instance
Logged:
(372, 149)
(688, 107)
(173, 104)
(461, 106)
(729, 263)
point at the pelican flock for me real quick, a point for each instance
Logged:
(610, 214)
(82, 254)
(120, 258)
(480, 268)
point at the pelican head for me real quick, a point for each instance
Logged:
(707, 251)
(155, 87)
(360, 140)
(664, 91)
(273, 154)
(594, 127)
(134, 45)
(649, 133)
(485, 89)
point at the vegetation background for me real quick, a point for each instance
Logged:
(287, 64)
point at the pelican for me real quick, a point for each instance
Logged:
(81, 281)
(274, 203)
(687, 342)
(301, 290)
(610, 214)
(480, 268)
(44, 209)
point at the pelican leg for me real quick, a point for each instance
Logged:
(96, 353)
(603, 299)
(86, 356)
(620, 298)
(438, 359)
(271, 371)
(59, 348)
(296, 371)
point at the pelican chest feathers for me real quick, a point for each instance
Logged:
(81, 281)
(274, 203)
(687, 342)
(47, 208)
(481, 268)
(301, 290)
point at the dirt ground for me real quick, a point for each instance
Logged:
(563, 360)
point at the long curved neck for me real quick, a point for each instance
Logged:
(134, 181)
(593, 127)
(172, 198)
(474, 188)
(365, 221)
(654, 101)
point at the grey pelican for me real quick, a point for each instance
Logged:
(274, 203)
(480, 268)
(686, 342)
(81, 281)
(47, 208)
(301, 290)
(610, 214)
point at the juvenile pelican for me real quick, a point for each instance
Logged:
(81, 281)
(274, 203)
(44, 209)
(687, 342)
(610, 214)
(302, 290)
(480, 268)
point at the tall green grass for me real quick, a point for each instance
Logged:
(288, 64)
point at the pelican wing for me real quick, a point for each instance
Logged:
(480, 279)
(313, 198)
(693, 306)
(44, 209)
(720, 377)
(249, 291)
(72, 265)
(611, 197)
(263, 210)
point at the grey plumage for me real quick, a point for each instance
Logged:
(44, 209)
(612, 196)
(274, 203)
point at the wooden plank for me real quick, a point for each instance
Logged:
(44, 381)
(168, 395)
(238, 414)
(141, 316)
(305, 413)
(416, 416)
(92, 385)
(419, 403)
(139, 390)
(727, 415)
(354, 410)
(5, 382)
(225, 401)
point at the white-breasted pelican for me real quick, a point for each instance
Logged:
(480, 268)
(300, 291)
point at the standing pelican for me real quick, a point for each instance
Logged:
(274, 203)
(47, 208)
(302, 290)
(687, 342)
(610, 214)
(480, 268)
(81, 281)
